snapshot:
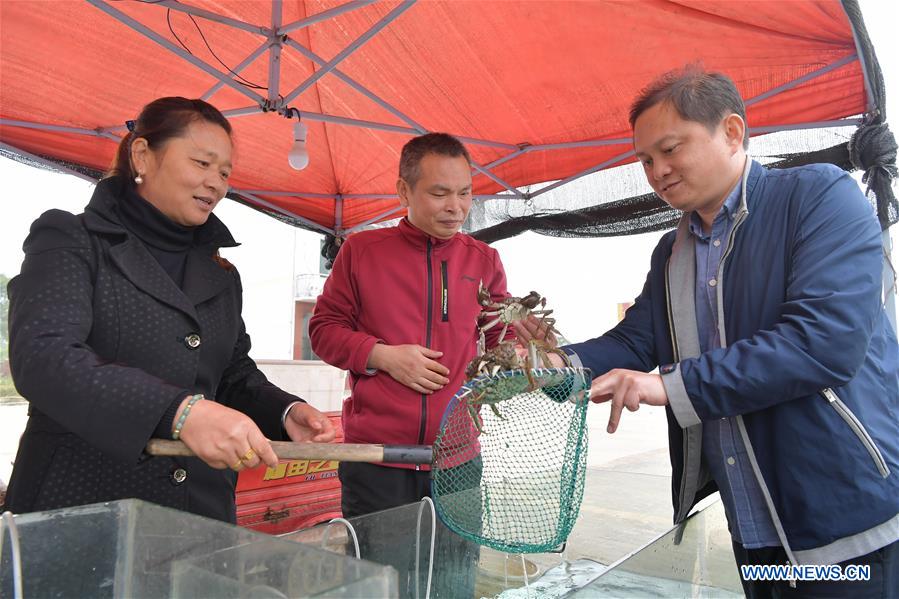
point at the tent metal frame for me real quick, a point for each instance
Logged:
(277, 40)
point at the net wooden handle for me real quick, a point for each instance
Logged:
(344, 452)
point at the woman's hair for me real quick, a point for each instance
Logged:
(160, 121)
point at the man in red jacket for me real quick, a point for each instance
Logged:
(400, 313)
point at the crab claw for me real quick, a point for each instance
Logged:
(483, 294)
(531, 300)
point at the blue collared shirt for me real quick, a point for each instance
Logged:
(722, 448)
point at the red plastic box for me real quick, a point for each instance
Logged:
(297, 494)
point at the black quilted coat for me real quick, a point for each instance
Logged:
(101, 343)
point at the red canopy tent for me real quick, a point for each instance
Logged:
(539, 90)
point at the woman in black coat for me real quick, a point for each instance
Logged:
(125, 324)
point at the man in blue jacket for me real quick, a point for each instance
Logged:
(778, 367)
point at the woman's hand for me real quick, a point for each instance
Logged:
(225, 438)
(305, 423)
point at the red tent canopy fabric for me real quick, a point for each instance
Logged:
(539, 90)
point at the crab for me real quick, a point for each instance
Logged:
(538, 357)
(501, 357)
(509, 310)
(505, 357)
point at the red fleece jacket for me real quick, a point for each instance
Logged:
(396, 286)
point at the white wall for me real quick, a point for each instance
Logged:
(318, 383)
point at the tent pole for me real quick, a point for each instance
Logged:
(47, 163)
(355, 45)
(342, 120)
(242, 111)
(374, 219)
(206, 68)
(289, 194)
(338, 216)
(800, 126)
(354, 84)
(60, 129)
(389, 107)
(800, 80)
(274, 56)
(284, 212)
(321, 196)
(515, 192)
(246, 62)
(323, 16)
(507, 157)
(494, 196)
(584, 173)
(590, 143)
(211, 16)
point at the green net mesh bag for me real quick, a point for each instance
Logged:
(510, 458)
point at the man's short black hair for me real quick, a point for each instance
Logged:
(696, 95)
(417, 148)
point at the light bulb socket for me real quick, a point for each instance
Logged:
(298, 157)
(299, 131)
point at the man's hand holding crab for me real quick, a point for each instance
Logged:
(539, 332)
(624, 388)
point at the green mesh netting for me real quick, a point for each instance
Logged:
(509, 462)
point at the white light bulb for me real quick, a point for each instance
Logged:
(299, 156)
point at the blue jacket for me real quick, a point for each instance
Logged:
(809, 363)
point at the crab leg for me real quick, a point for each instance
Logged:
(490, 324)
(476, 418)
(529, 363)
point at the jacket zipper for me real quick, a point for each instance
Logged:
(738, 221)
(422, 425)
(858, 428)
(444, 293)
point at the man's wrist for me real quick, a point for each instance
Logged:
(375, 360)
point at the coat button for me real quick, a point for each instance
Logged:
(179, 476)
(192, 341)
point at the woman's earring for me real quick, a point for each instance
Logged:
(139, 179)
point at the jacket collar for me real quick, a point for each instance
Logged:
(203, 277)
(419, 238)
(101, 216)
(681, 267)
(750, 181)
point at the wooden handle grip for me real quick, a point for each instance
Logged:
(344, 452)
